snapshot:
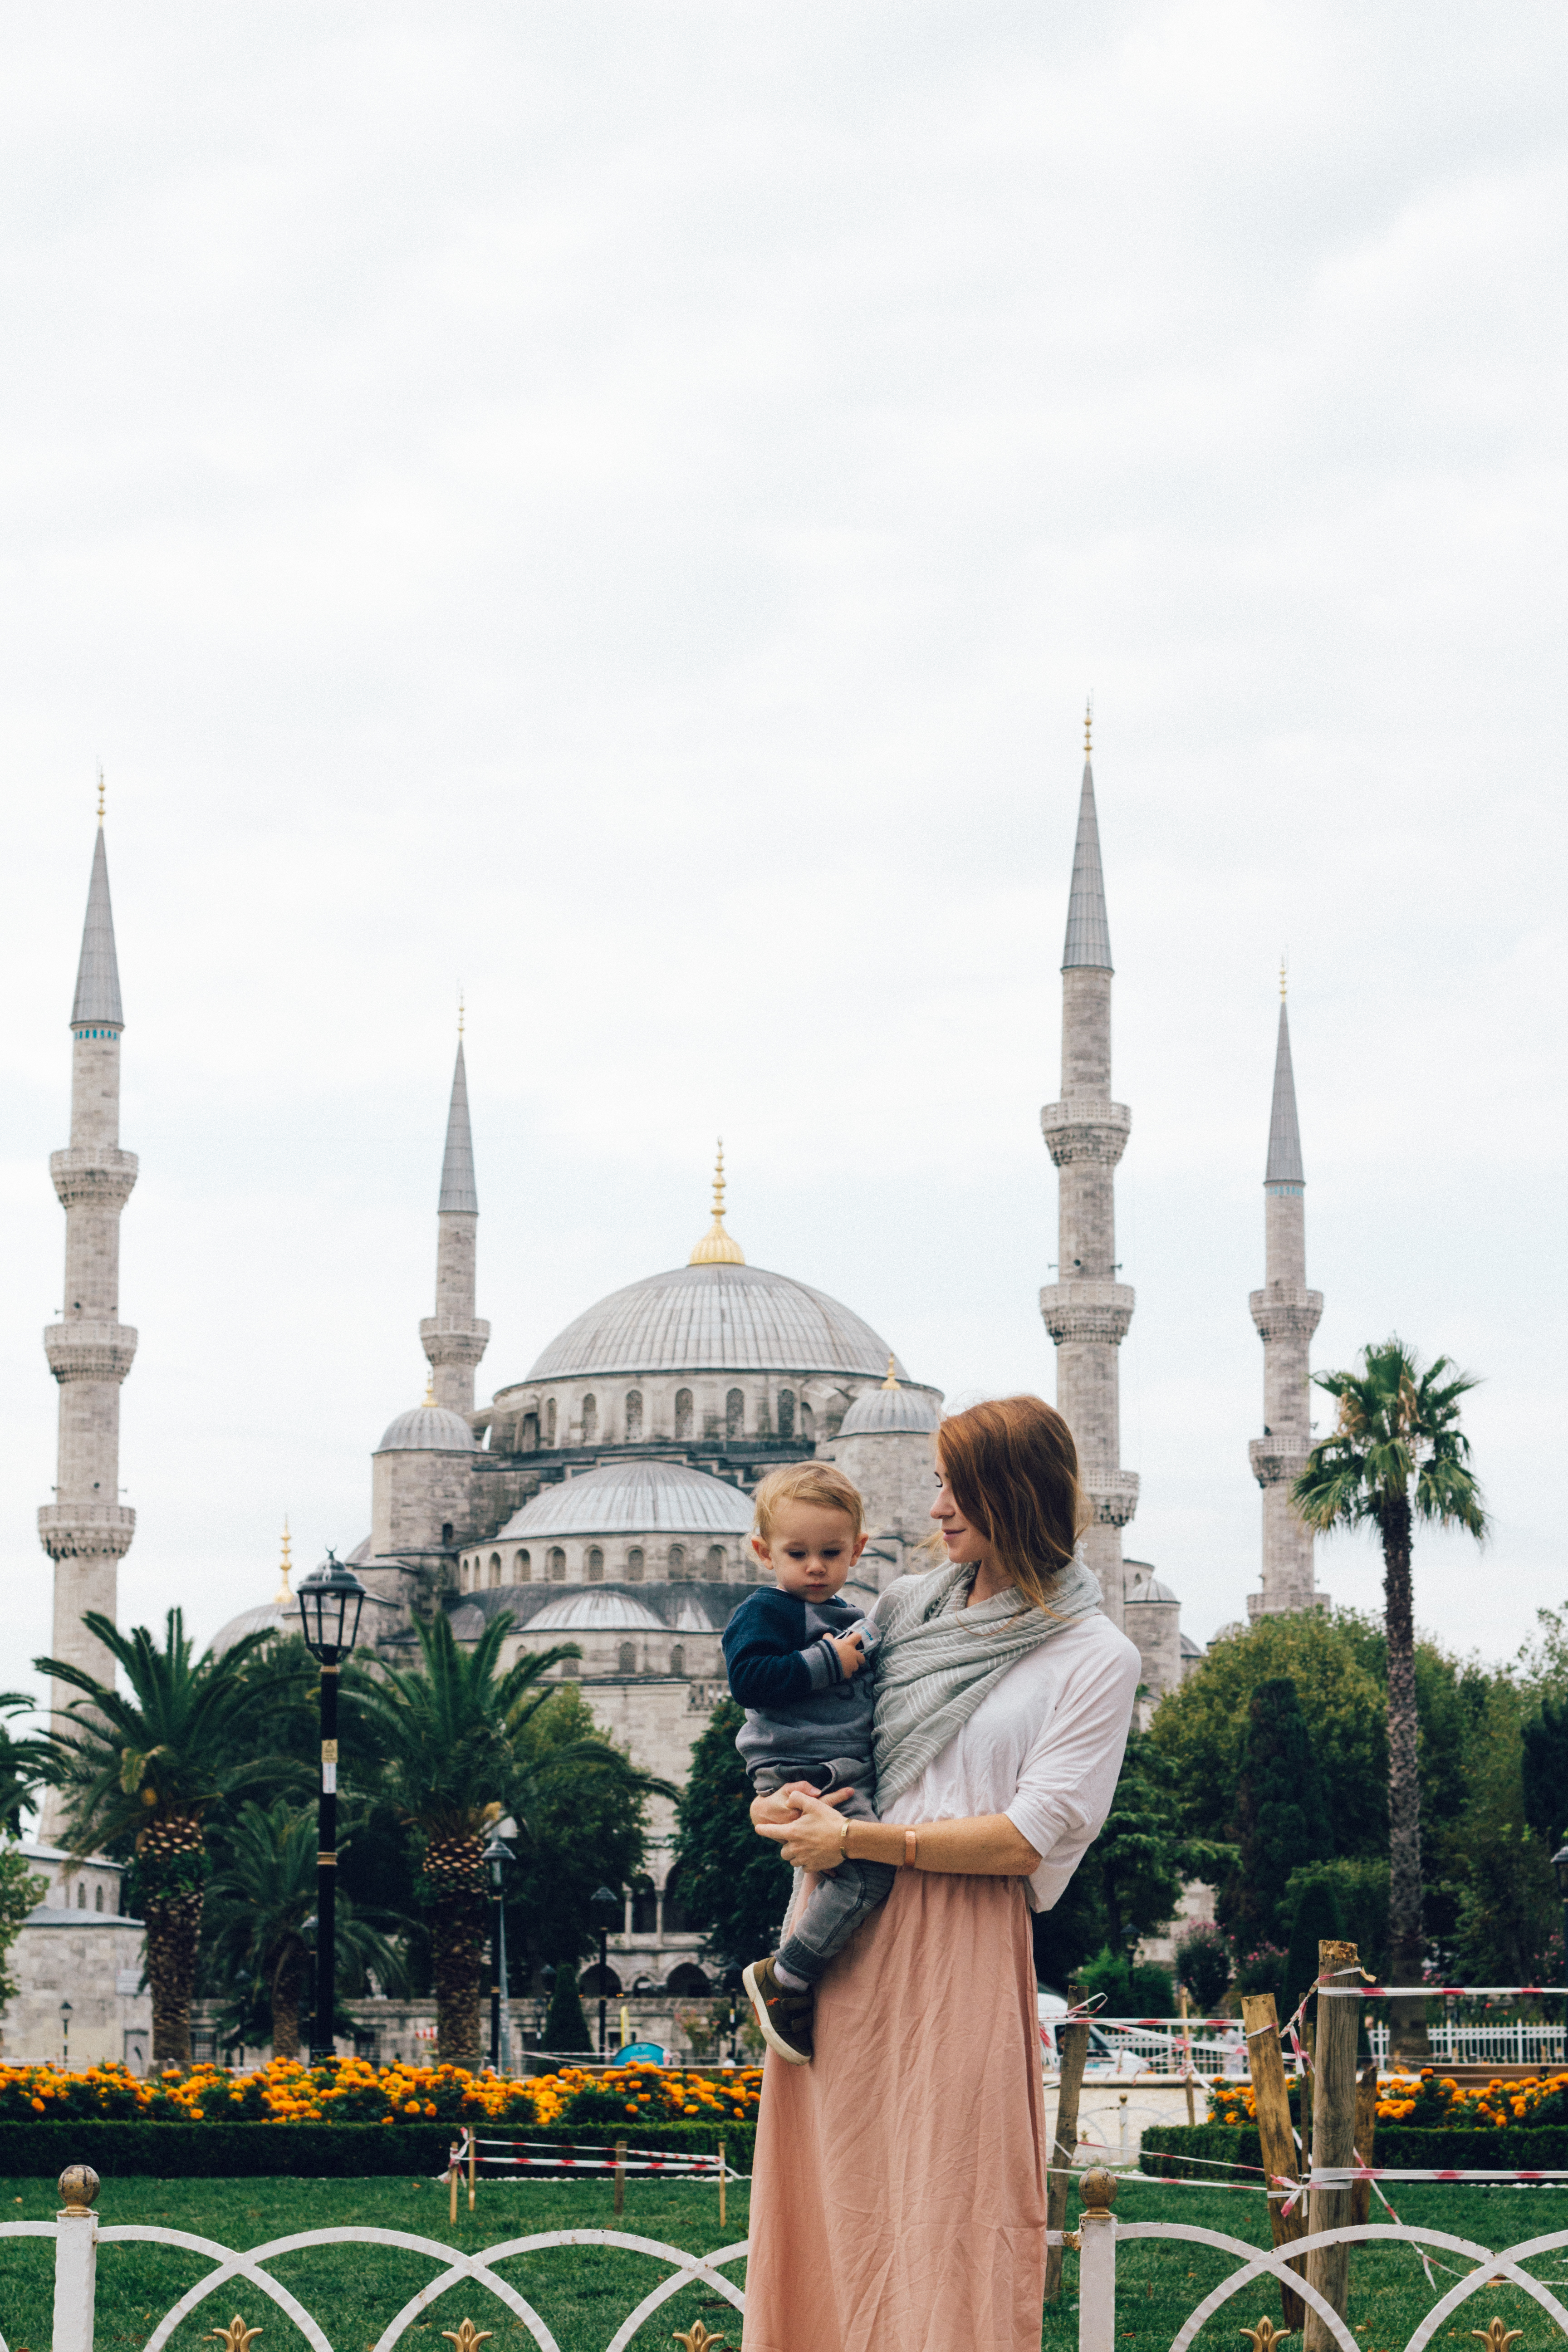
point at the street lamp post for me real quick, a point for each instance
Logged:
(608, 1910)
(496, 1856)
(330, 1601)
(1560, 1872)
(65, 2033)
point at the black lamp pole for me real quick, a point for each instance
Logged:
(497, 1854)
(330, 1601)
(1560, 1872)
(609, 1911)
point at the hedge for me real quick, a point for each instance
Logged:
(1172, 2152)
(119, 2150)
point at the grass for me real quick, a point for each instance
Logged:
(585, 2293)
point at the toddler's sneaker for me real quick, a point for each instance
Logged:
(784, 2014)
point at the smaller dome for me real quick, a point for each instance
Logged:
(1148, 1587)
(891, 1408)
(633, 1495)
(598, 1613)
(427, 1429)
(272, 1617)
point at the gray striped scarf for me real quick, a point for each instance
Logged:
(938, 1659)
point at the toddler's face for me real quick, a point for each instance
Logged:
(810, 1551)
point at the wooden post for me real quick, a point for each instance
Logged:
(472, 2145)
(1187, 2052)
(452, 2186)
(1271, 2097)
(721, 2184)
(1365, 2138)
(1333, 2135)
(620, 2178)
(1072, 2050)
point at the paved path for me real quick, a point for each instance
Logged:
(1111, 2115)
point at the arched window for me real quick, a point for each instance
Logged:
(683, 1413)
(629, 1657)
(716, 1562)
(676, 1562)
(550, 1421)
(596, 1565)
(527, 1433)
(599, 1983)
(523, 1569)
(678, 1659)
(645, 1907)
(557, 1565)
(633, 1416)
(735, 1413)
(571, 1667)
(97, 1899)
(786, 1412)
(634, 1565)
(495, 1568)
(687, 1981)
(807, 1424)
(590, 1420)
(675, 1922)
(80, 1896)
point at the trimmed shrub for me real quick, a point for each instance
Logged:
(1202, 1964)
(1192, 2152)
(310, 2151)
(565, 2027)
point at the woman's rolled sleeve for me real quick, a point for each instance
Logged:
(1068, 1776)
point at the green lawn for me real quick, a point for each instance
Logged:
(584, 2293)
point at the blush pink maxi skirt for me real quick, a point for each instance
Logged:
(899, 2188)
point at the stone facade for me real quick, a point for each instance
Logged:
(76, 1949)
(1286, 1314)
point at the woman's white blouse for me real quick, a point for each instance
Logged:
(1044, 1746)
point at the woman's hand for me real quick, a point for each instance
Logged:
(779, 1809)
(814, 1838)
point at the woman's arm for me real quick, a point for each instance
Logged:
(985, 1846)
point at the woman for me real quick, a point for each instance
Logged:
(899, 2201)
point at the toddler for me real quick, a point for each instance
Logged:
(801, 1663)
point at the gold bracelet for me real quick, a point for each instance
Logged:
(912, 1848)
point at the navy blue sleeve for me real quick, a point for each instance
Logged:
(765, 1669)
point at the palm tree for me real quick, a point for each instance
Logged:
(140, 1768)
(23, 1763)
(449, 1735)
(1397, 1454)
(261, 1903)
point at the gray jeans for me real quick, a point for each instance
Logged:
(843, 1897)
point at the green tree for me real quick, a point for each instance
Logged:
(579, 1828)
(140, 1769)
(21, 1891)
(1318, 1919)
(731, 1879)
(565, 2027)
(261, 1899)
(1507, 1900)
(1281, 1819)
(1544, 1773)
(25, 1764)
(1397, 1454)
(1144, 1853)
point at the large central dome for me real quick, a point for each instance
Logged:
(718, 1318)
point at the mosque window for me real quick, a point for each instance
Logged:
(645, 1907)
(80, 1898)
(629, 1657)
(571, 1667)
(557, 1565)
(633, 1416)
(634, 1565)
(678, 1659)
(807, 1423)
(527, 1433)
(97, 1899)
(716, 1562)
(523, 1569)
(683, 1413)
(590, 1420)
(596, 1565)
(446, 1531)
(550, 1421)
(495, 1568)
(676, 1561)
(735, 1413)
(786, 1412)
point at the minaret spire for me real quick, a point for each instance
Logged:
(1087, 1311)
(86, 1530)
(454, 1339)
(1286, 1313)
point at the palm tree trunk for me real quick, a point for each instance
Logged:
(173, 1931)
(1408, 2019)
(459, 1939)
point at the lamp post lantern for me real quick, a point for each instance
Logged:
(65, 2033)
(330, 1599)
(608, 1910)
(496, 1856)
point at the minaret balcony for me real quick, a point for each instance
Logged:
(1113, 1493)
(85, 1530)
(1092, 1311)
(1083, 1128)
(1286, 1310)
(95, 1176)
(446, 1342)
(90, 1352)
(1279, 1461)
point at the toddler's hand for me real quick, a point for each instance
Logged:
(850, 1653)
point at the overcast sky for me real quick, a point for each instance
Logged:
(620, 508)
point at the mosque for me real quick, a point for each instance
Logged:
(604, 1497)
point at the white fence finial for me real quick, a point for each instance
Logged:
(76, 2260)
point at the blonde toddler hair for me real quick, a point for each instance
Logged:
(808, 1482)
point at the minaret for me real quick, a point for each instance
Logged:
(453, 1338)
(86, 1530)
(1286, 1313)
(1087, 1311)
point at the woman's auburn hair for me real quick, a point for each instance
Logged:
(1012, 1468)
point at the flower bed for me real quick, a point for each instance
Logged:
(1431, 2101)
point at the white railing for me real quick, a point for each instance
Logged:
(1509, 2043)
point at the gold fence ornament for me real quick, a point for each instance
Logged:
(1097, 2190)
(236, 2336)
(79, 2190)
(697, 2339)
(1266, 2334)
(1497, 2335)
(464, 2336)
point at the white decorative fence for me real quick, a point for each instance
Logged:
(1507, 2044)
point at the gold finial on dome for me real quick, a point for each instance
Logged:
(892, 1379)
(428, 1399)
(1283, 964)
(1088, 726)
(285, 1597)
(717, 1247)
(459, 1008)
(101, 792)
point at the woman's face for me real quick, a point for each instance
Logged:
(963, 1542)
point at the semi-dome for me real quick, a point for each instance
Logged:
(715, 1317)
(891, 1408)
(427, 1429)
(597, 1612)
(634, 1496)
